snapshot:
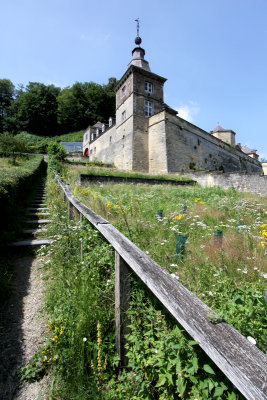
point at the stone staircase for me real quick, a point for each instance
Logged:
(37, 216)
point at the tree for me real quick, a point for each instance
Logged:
(85, 103)
(72, 106)
(37, 109)
(7, 92)
(11, 146)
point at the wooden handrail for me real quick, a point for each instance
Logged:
(242, 362)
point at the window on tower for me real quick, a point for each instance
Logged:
(148, 87)
(123, 116)
(123, 91)
(149, 108)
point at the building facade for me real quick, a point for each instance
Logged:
(149, 136)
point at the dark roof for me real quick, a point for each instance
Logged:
(218, 128)
(246, 150)
(98, 125)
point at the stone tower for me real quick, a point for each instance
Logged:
(139, 95)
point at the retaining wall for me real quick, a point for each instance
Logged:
(254, 183)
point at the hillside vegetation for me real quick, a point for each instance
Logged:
(228, 273)
(47, 110)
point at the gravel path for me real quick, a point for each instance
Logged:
(22, 329)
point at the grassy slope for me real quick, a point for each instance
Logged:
(230, 279)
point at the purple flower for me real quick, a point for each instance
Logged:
(203, 296)
(167, 256)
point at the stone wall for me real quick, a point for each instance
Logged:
(157, 145)
(264, 167)
(255, 183)
(189, 148)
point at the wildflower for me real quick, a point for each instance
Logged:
(203, 295)
(147, 252)
(167, 256)
(156, 351)
(178, 217)
(251, 340)
(180, 374)
(111, 252)
(84, 339)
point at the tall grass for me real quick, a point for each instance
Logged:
(164, 363)
(230, 278)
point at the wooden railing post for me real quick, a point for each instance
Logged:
(71, 211)
(122, 299)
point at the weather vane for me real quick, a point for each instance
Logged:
(138, 26)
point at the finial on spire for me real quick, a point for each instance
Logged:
(138, 40)
(138, 26)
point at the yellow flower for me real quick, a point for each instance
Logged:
(263, 226)
(197, 199)
(262, 244)
(178, 217)
(201, 202)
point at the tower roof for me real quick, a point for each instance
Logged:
(138, 52)
(247, 150)
(218, 128)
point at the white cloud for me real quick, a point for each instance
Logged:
(188, 111)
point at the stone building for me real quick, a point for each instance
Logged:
(149, 136)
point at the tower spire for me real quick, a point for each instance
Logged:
(137, 26)
(138, 40)
(139, 53)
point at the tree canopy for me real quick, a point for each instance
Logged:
(47, 110)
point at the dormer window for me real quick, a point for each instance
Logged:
(148, 87)
(103, 128)
(123, 91)
(110, 122)
(97, 132)
(92, 136)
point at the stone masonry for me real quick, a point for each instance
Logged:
(148, 135)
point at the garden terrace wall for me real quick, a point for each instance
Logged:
(83, 178)
(254, 183)
(242, 362)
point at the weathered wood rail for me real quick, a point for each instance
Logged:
(242, 362)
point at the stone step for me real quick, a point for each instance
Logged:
(37, 214)
(38, 221)
(37, 208)
(30, 243)
(34, 230)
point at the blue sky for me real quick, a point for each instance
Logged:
(213, 52)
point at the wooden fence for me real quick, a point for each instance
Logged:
(242, 362)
